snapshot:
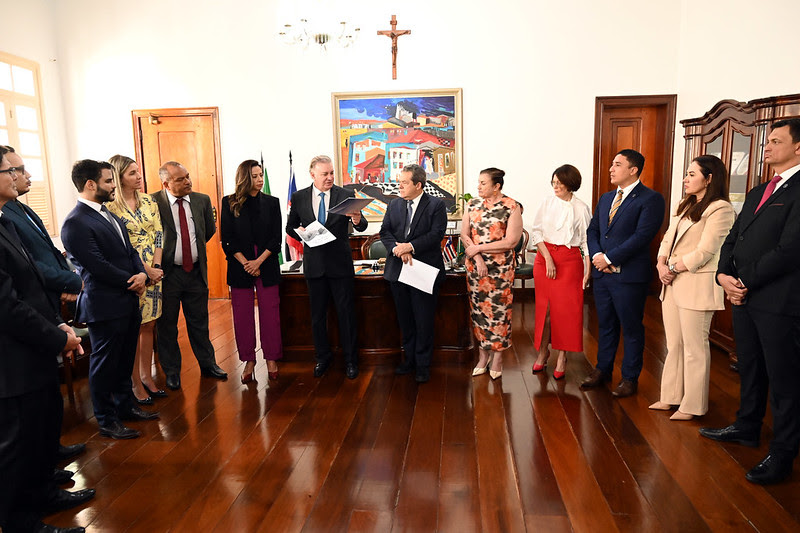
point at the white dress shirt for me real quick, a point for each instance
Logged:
(105, 214)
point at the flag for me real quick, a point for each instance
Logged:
(449, 253)
(265, 190)
(294, 248)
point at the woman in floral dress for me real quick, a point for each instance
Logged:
(490, 229)
(140, 215)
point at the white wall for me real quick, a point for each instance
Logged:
(530, 72)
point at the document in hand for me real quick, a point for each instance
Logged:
(350, 205)
(316, 234)
(419, 275)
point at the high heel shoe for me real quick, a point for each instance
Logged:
(247, 378)
(480, 370)
(559, 375)
(273, 376)
(158, 393)
(538, 368)
(494, 374)
(680, 415)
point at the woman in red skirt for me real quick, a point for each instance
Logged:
(561, 270)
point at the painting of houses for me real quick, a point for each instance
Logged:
(378, 134)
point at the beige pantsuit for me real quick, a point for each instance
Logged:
(689, 303)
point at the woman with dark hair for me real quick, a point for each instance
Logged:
(687, 265)
(560, 270)
(140, 215)
(490, 229)
(250, 230)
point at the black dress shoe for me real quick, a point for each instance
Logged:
(61, 500)
(173, 381)
(731, 434)
(62, 476)
(146, 401)
(595, 378)
(159, 393)
(320, 369)
(404, 368)
(351, 371)
(423, 375)
(139, 414)
(213, 371)
(625, 388)
(68, 452)
(116, 430)
(47, 528)
(773, 469)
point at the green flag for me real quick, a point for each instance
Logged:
(265, 190)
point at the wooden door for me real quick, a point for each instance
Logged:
(646, 124)
(190, 137)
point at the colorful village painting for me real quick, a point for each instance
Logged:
(379, 134)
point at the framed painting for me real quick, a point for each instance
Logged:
(379, 133)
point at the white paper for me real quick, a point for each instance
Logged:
(419, 275)
(316, 234)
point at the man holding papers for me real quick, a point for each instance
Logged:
(328, 268)
(412, 232)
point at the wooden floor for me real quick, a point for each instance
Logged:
(523, 453)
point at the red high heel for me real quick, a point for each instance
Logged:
(558, 375)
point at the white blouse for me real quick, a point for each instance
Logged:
(562, 223)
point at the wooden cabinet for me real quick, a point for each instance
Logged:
(736, 133)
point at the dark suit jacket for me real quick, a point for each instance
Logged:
(58, 278)
(204, 227)
(626, 241)
(239, 234)
(763, 249)
(334, 259)
(104, 262)
(29, 336)
(427, 230)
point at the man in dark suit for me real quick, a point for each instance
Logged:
(328, 268)
(31, 335)
(188, 224)
(62, 284)
(113, 278)
(624, 223)
(758, 269)
(412, 230)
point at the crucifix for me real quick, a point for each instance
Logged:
(393, 34)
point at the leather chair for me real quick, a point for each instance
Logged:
(373, 248)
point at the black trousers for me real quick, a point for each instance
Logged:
(768, 347)
(185, 289)
(320, 291)
(28, 444)
(415, 313)
(111, 364)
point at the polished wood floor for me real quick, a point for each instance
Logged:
(523, 453)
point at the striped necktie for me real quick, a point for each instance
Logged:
(615, 206)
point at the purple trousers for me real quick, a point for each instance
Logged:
(269, 321)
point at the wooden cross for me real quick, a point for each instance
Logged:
(393, 34)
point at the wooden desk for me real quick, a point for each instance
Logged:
(378, 331)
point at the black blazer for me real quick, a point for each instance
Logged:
(105, 263)
(239, 235)
(763, 249)
(29, 334)
(58, 278)
(204, 228)
(427, 230)
(333, 260)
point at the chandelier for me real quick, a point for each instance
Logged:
(320, 34)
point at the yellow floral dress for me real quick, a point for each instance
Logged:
(145, 232)
(491, 296)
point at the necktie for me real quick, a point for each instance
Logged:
(615, 206)
(107, 215)
(409, 215)
(768, 191)
(25, 209)
(321, 211)
(186, 243)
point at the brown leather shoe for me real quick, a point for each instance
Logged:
(596, 377)
(625, 388)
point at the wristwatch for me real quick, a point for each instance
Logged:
(672, 268)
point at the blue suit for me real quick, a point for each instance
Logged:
(620, 297)
(106, 262)
(415, 308)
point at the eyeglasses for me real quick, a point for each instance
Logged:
(20, 170)
(12, 171)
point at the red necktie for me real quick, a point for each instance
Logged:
(186, 244)
(768, 191)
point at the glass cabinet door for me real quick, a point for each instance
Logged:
(739, 168)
